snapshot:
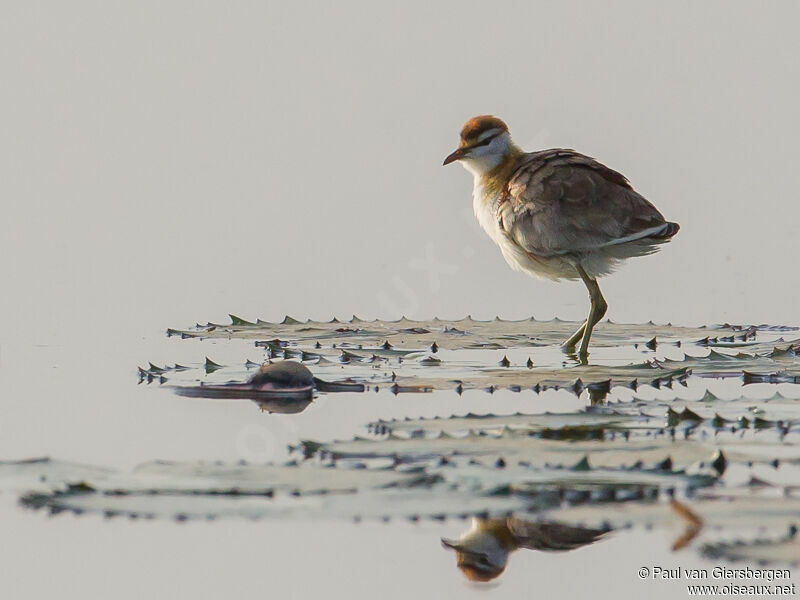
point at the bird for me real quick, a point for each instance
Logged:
(556, 213)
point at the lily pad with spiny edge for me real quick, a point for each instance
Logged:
(464, 354)
(295, 490)
(525, 449)
(763, 551)
(297, 478)
(611, 463)
(556, 425)
(469, 333)
(245, 479)
(410, 504)
(46, 474)
(581, 482)
(350, 490)
(749, 517)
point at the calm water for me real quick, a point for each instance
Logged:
(80, 404)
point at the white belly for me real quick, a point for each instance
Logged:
(483, 207)
(516, 257)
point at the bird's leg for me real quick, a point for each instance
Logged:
(596, 312)
(569, 345)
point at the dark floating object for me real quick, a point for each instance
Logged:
(430, 361)
(276, 387)
(505, 362)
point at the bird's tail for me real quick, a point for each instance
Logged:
(670, 229)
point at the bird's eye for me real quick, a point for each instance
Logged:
(485, 142)
(484, 561)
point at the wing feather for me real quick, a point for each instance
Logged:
(561, 202)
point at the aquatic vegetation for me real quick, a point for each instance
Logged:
(643, 436)
(414, 356)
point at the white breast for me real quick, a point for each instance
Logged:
(517, 258)
(483, 205)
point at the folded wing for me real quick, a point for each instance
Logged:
(560, 202)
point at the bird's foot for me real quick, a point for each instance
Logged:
(571, 350)
(583, 357)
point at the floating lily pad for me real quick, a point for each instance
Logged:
(605, 483)
(538, 423)
(524, 448)
(728, 516)
(401, 353)
(406, 503)
(785, 549)
(610, 464)
(46, 474)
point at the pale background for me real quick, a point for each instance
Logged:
(166, 163)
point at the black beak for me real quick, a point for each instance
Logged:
(452, 544)
(457, 155)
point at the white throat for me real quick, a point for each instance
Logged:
(481, 165)
(483, 158)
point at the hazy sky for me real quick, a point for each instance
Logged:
(166, 163)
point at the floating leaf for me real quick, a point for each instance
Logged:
(521, 447)
(535, 423)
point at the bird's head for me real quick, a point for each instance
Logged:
(484, 144)
(482, 552)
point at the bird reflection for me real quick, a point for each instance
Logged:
(482, 551)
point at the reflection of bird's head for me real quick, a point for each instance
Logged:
(482, 552)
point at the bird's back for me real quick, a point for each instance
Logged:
(559, 205)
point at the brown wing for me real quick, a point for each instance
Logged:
(562, 202)
(552, 536)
